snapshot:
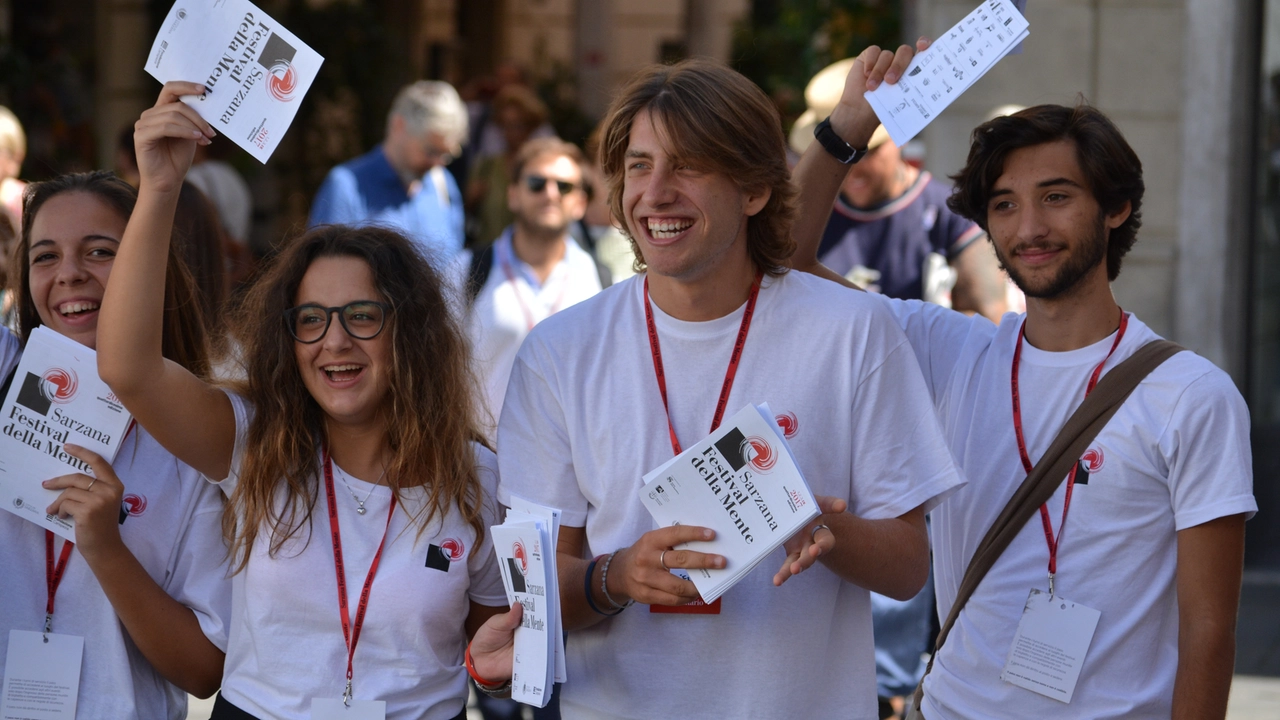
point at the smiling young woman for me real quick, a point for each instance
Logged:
(145, 574)
(349, 457)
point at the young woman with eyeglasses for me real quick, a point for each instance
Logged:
(357, 493)
(144, 584)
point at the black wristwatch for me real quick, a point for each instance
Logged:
(839, 149)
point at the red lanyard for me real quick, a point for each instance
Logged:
(53, 575)
(515, 288)
(729, 374)
(350, 632)
(1022, 443)
(53, 572)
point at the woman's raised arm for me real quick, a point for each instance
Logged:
(191, 418)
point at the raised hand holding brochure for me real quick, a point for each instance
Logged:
(56, 398)
(741, 481)
(256, 72)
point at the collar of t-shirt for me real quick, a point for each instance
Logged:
(1087, 355)
(503, 252)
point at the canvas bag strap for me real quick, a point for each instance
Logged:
(1072, 441)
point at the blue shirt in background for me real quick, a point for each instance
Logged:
(367, 191)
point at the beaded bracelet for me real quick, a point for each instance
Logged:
(604, 587)
(586, 588)
(487, 687)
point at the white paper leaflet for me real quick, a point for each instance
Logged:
(953, 63)
(56, 398)
(741, 481)
(525, 546)
(256, 72)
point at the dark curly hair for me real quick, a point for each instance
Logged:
(1111, 168)
(432, 420)
(723, 120)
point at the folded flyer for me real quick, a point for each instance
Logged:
(56, 397)
(526, 559)
(949, 67)
(526, 511)
(255, 71)
(741, 481)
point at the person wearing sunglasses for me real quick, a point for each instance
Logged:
(357, 492)
(402, 183)
(534, 269)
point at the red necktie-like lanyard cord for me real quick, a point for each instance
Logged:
(729, 375)
(1022, 443)
(350, 631)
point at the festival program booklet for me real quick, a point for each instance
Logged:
(527, 511)
(523, 550)
(953, 63)
(256, 72)
(741, 481)
(56, 397)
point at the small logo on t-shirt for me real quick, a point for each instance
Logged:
(135, 504)
(789, 423)
(1090, 464)
(449, 551)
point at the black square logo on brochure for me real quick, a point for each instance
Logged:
(276, 52)
(730, 446)
(32, 397)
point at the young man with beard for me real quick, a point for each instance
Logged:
(534, 269)
(1157, 504)
(609, 389)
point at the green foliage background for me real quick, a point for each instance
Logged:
(783, 43)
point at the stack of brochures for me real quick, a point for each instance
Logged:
(55, 398)
(741, 481)
(526, 546)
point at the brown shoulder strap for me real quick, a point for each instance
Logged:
(1072, 441)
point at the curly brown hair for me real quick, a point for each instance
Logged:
(431, 417)
(185, 336)
(1110, 165)
(723, 120)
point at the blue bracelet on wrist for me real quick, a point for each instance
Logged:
(586, 587)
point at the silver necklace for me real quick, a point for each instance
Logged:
(360, 509)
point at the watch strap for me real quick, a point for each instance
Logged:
(835, 146)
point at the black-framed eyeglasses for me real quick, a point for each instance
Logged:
(362, 319)
(538, 183)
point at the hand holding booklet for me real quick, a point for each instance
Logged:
(254, 70)
(525, 544)
(741, 481)
(56, 398)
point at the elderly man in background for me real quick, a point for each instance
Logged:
(402, 183)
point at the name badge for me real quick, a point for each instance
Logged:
(42, 679)
(334, 709)
(1050, 645)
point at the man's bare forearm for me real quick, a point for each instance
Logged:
(890, 556)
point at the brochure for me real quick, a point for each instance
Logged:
(56, 398)
(741, 481)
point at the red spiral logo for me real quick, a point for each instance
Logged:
(59, 385)
(282, 81)
(759, 453)
(1094, 459)
(454, 548)
(135, 504)
(789, 423)
(517, 550)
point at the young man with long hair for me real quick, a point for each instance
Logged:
(609, 389)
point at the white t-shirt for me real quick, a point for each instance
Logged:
(172, 523)
(511, 301)
(1175, 455)
(583, 421)
(286, 645)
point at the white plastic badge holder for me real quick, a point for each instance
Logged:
(335, 709)
(1050, 645)
(42, 679)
